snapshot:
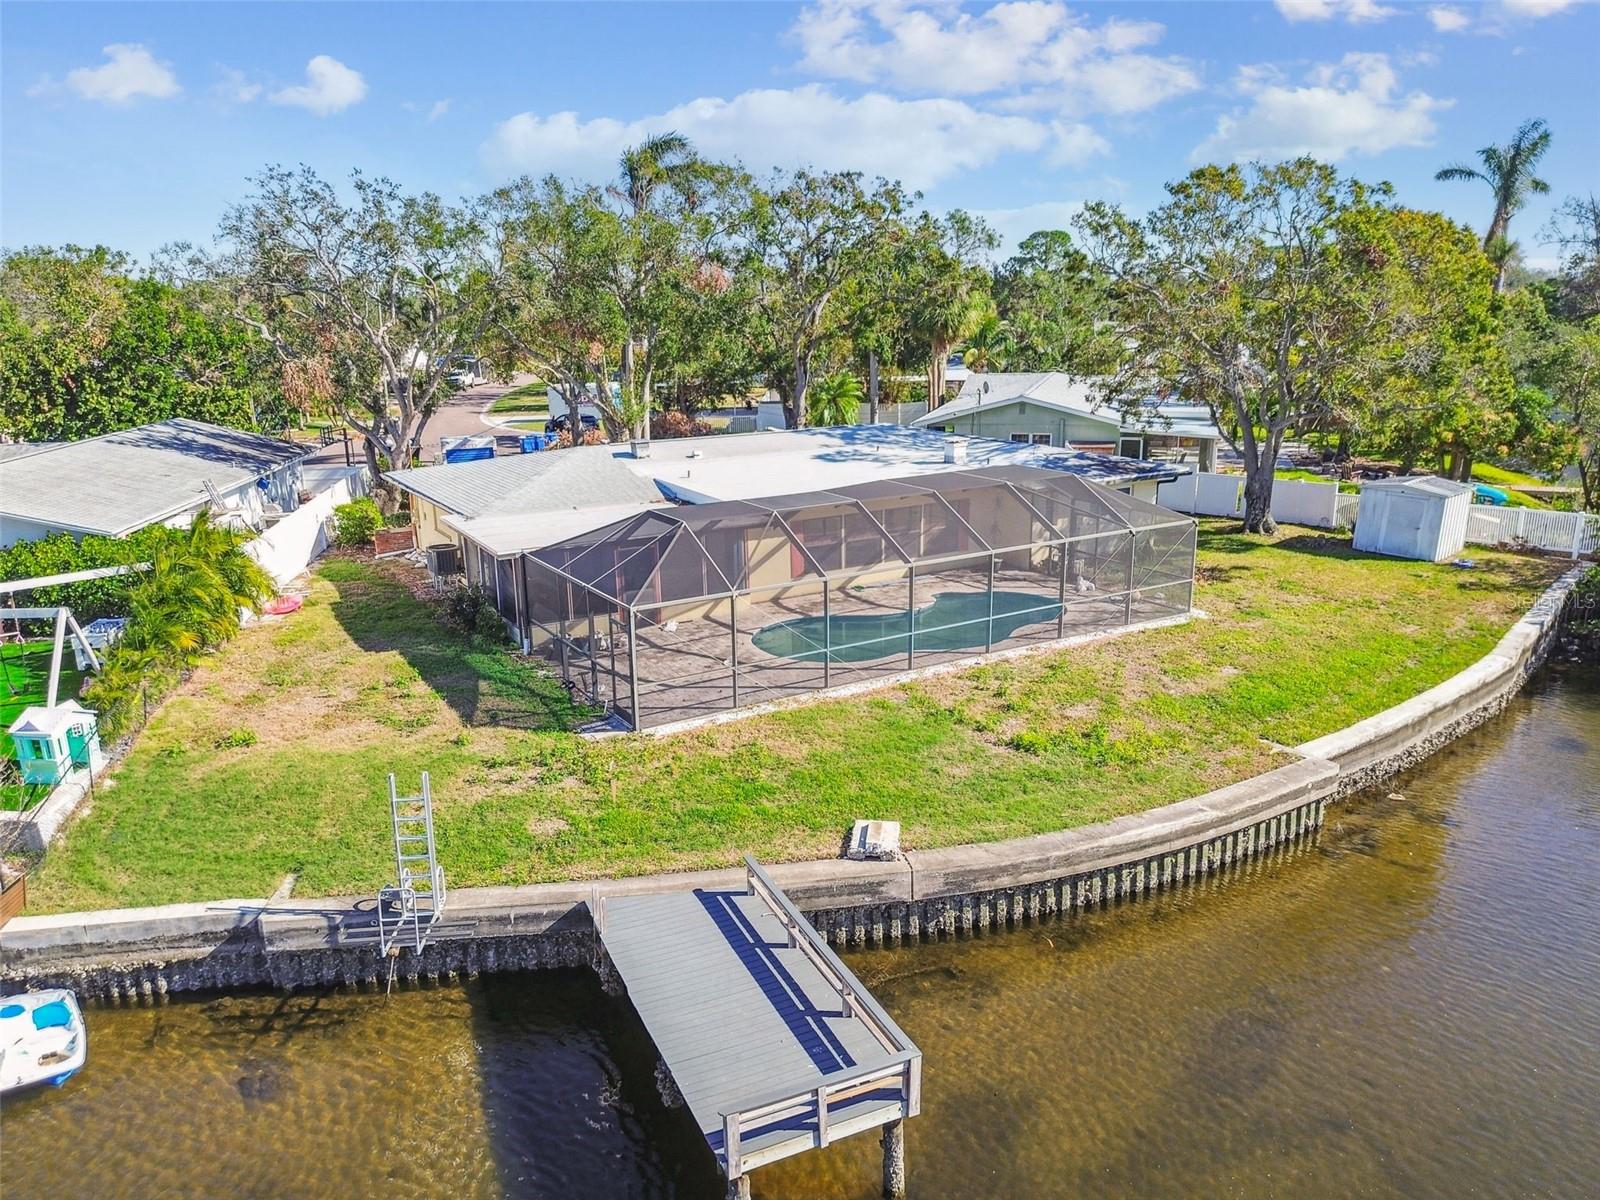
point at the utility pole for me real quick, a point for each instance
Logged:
(872, 387)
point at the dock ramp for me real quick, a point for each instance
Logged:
(772, 1042)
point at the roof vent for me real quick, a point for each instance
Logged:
(955, 450)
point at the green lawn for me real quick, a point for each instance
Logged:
(529, 398)
(24, 681)
(1298, 475)
(1504, 476)
(1303, 636)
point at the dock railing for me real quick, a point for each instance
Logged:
(789, 1106)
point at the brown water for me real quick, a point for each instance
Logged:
(1408, 1007)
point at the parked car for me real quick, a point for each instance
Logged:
(467, 370)
(557, 424)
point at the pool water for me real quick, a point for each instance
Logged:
(954, 621)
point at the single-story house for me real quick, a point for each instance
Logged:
(1052, 408)
(161, 474)
(498, 509)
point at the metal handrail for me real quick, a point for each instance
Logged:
(803, 936)
(905, 1067)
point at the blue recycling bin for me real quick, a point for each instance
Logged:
(532, 443)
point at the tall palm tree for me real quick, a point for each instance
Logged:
(668, 159)
(1508, 170)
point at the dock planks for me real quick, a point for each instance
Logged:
(754, 1022)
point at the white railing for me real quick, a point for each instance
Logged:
(904, 1067)
(1570, 533)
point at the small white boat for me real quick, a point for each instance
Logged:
(42, 1039)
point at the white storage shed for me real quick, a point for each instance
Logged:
(1415, 516)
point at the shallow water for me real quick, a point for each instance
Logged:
(1408, 1007)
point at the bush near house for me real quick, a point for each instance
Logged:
(61, 553)
(355, 523)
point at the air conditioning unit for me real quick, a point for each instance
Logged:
(444, 558)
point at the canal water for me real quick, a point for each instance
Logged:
(1407, 1007)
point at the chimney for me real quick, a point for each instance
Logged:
(955, 450)
(641, 447)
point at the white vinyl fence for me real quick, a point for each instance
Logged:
(1293, 501)
(1571, 533)
(289, 546)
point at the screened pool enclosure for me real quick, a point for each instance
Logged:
(690, 611)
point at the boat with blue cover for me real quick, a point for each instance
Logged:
(42, 1039)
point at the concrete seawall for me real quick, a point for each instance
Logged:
(950, 892)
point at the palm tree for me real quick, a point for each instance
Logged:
(1508, 170)
(835, 400)
(668, 159)
(947, 318)
(988, 346)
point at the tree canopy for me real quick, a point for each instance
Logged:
(85, 349)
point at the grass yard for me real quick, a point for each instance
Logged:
(529, 398)
(25, 678)
(25, 681)
(272, 758)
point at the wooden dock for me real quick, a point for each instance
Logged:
(773, 1043)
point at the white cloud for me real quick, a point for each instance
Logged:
(235, 87)
(1344, 108)
(330, 87)
(918, 142)
(440, 107)
(1537, 8)
(1035, 49)
(1014, 224)
(1075, 143)
(1356, 12)
(1448, 20)
(130, 71)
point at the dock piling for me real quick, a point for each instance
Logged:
(894, 1160)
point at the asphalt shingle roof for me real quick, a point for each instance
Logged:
(120, 482)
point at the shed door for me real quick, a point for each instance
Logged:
(1407, 519)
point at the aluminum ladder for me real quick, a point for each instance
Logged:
(408, 909)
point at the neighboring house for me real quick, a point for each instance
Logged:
(161, 474)
(497, 509)
(1052, 408)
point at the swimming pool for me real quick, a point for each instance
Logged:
(954, 621)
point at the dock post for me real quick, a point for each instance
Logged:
(739, 1188)
(894, 1160)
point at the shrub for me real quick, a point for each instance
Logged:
(470, 608)
(356, 522)
(674, 424)
(235, 738)
(61, 553)
(188, 602)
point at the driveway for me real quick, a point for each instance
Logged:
(462, 414)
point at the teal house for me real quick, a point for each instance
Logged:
(52, 742)
(1052, 408)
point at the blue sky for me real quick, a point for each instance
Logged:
(134, 124)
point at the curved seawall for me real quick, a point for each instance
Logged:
(927, 894)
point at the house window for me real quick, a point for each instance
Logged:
(1031, 439)
(1024, 438)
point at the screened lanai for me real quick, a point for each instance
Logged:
(690, 611)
